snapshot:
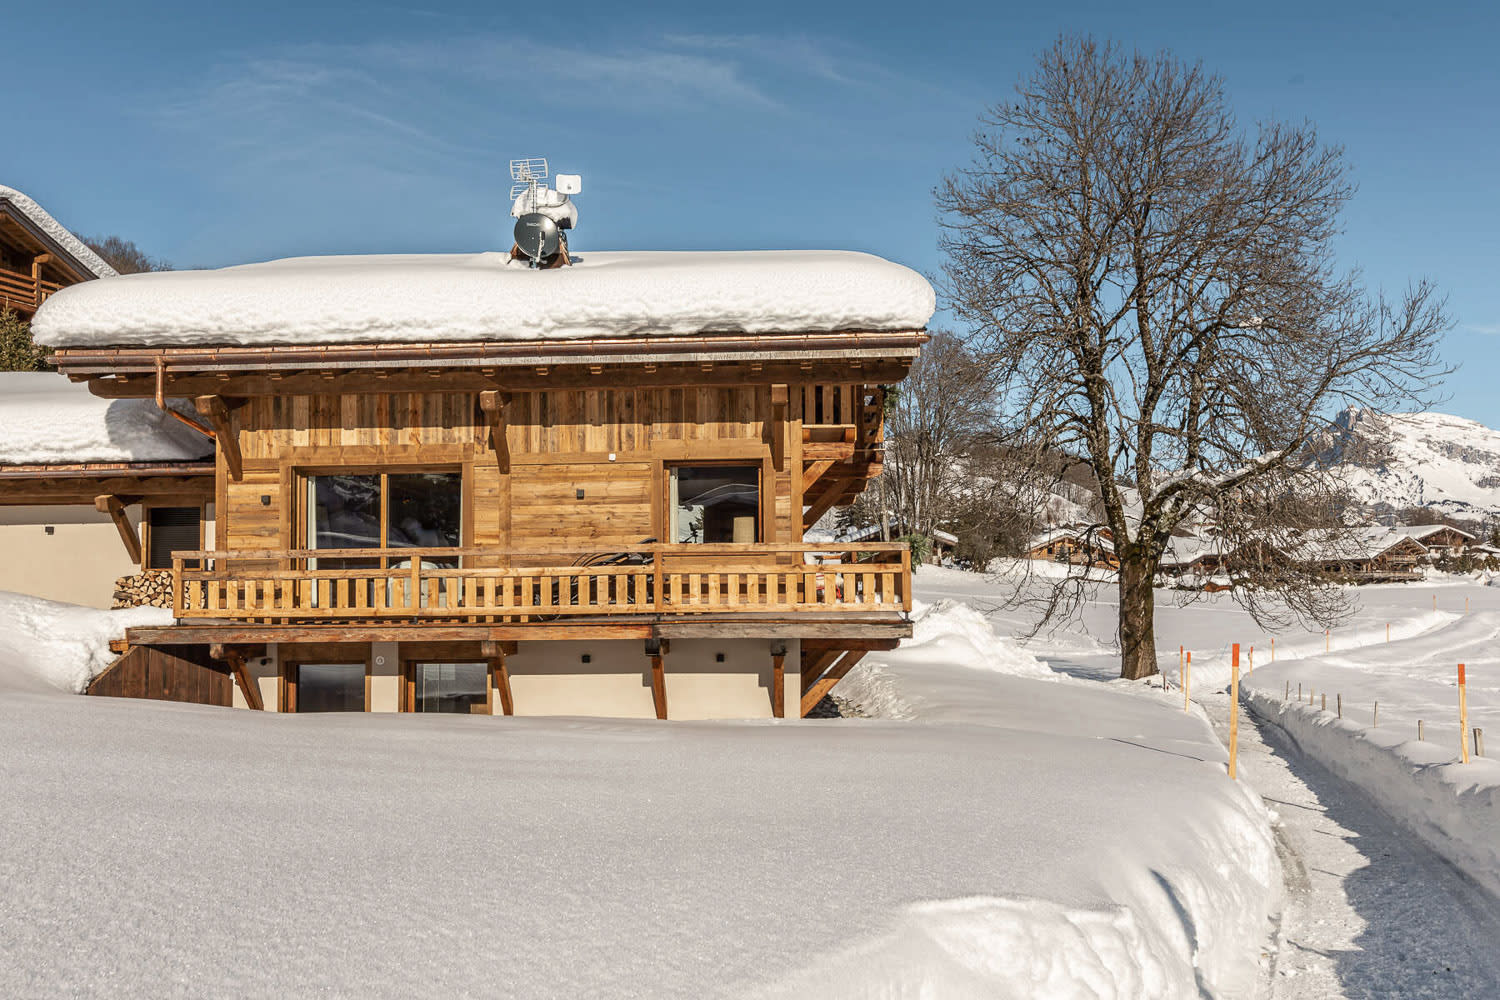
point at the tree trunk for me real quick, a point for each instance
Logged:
(1137, 617)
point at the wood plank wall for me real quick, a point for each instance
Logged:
(560, 441)
(183, 673)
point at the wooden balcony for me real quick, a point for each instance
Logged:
(490, 586)
(24, 293)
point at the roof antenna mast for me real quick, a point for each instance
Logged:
(542, 214)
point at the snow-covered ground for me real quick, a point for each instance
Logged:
(1013, 822)
(1005, 833)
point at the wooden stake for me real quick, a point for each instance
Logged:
(1466, 605)
(1478, 742)
(1234, 711)
(1251, 668)
(1187, 681)
(1463, 715)
(1324, 706)
(1375, 719)
(1326, 641)
(1341, 705)
(1299, 692)
(1421, 734)
(1273, 650)
(1288, 695)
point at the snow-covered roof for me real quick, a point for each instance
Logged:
(45, 419)
(1184, 550)
(57, 232)
(1368, 542)
(1421, 531)
(1089, 536)
(484, 296)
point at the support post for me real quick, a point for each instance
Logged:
(216, 412)
(236, 661)
(834, 674)
(777, 426)
(111, 505)
(496, 406)
(500, 677)
(655, 651)
(778, 685)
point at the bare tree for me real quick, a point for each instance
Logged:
(1157, 293)
(124, 256)
(938, 410)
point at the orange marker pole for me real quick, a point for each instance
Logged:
(1187, 680)
(1234, 712)
(1251, 668)
(1463, 716)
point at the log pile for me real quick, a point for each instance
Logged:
(150, 589)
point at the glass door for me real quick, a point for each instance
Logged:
(462, 688)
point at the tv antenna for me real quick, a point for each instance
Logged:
(541, 213)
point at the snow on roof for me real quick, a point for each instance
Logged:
(1088, 535)
(444, 297)
(57, 232)
(1421, 531)
(1184, 550)
(45, 419)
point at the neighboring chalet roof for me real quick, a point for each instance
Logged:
(1089, 537)
(1370, 542)
(1186, 550)
(444, 298)
(870, 533)
(46, 421)
(1424, 531)
(52, 232)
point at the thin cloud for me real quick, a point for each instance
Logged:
(1489, 329)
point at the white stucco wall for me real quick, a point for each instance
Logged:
(77, 563)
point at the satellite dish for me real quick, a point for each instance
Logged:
(537, 236)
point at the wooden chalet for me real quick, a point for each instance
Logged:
(38, 257)
(521, 523)
(1077, 546)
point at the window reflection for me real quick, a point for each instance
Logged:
(450, 687)
(715, 503)
(331, 687)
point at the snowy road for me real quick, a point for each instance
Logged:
(1371, 911)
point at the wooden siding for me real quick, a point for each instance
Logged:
(613, 443)
(183, 673)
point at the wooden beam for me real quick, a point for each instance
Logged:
(814, 472)
(659, 685)
(776, 427)
(111, 505)
(826, 683)
(495, 406)
(248, 688)
(216, 412)
(821, 660)
(778, 686)
(826, 502)
(500, 675)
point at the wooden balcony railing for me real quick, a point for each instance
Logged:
(24, 291)
(490, 585)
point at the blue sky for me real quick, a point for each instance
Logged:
(215, 134)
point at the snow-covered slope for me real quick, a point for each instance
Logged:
(1418, 460)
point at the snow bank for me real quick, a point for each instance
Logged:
(1170, 915)
(46, 644)
(1454, 807)
(444, 297)
(44, 418)
(57, 231)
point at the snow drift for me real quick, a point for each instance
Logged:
(49, 645)
(488, 296)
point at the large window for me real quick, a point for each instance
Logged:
(462, 688)
(714, 503)
(383, 510)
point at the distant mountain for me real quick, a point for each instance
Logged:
(1398, 460)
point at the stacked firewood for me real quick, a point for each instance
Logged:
(152, 588)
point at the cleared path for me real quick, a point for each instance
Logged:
(1371, 911)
